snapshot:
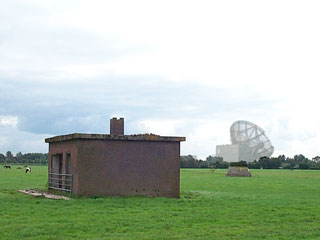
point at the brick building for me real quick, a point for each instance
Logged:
(115, 164)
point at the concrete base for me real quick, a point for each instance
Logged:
(238, 172)
(35, 193)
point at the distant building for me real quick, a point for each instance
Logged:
(234, 152)
(115, 164)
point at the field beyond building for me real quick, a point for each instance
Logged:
(272, 204)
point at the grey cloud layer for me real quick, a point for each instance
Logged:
(57, 108)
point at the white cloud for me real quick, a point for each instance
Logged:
(14, 140)
(8, 121)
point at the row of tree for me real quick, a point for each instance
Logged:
(27, 158)
(297, 162)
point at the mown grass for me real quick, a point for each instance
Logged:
(273, 204)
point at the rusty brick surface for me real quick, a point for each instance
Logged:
(117, 126)
(109, 167)
(128, 168)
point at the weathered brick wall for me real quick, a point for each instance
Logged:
(111, 167)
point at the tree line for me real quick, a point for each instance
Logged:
(189, 161)
(280, 162)
(27, 158)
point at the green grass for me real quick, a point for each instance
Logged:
(273, 204)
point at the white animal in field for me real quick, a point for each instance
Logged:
(28, 169)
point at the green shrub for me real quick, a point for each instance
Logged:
(239, 164)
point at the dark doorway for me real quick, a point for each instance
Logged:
(56, 170)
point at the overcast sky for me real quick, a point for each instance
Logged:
(184, 68)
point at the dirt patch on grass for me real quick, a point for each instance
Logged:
(36, 193)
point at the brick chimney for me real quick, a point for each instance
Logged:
(117, 126)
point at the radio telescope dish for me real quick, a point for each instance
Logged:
(253, 139)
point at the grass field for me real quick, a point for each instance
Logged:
(273, 204)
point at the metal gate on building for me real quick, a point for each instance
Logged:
(59, 181)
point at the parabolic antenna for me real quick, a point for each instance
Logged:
(253, 138)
